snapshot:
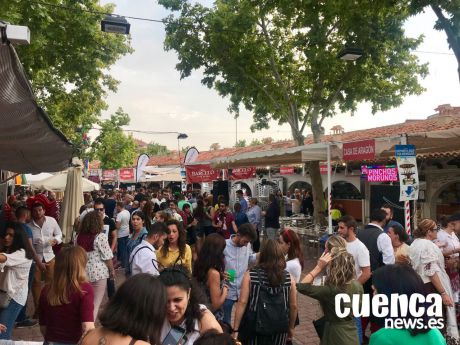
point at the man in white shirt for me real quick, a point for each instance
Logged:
(46, 233)
(380, 253)
(143, 258)
(122, 225)
(347, 229)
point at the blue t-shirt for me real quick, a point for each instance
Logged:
(28, 230)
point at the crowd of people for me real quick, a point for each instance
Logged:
(195, 272)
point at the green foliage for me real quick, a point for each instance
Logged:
(214, 147)
(155, 149)
(278, 59)
(185, 149)
(241, 143)
(255, 142)
(448, 14)
(68, 59)
(113, 147)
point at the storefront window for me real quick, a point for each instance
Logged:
(448, 201)
(345, 190)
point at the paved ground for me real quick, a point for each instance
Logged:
(305, 333)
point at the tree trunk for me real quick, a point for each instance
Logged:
(450, 30)
(318, 193)
(316, 181)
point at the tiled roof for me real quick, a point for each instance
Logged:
(140, 143)
(447, 118)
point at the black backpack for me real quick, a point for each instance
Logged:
(272, 312)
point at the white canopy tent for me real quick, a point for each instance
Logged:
(292, 155)
(155, 174)
(58, 182)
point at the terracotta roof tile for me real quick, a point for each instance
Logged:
(447, 118)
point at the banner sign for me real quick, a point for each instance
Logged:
(95, 179)
(191, 156)
(126, 174)
(359, 150)
(323, 169)
(110, 175)
(379, 173)
(243, 173)
(408, 173)
(286, 170)
(201, 173)
(94, 172)
(142, 161)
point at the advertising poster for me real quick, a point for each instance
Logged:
(407, 170)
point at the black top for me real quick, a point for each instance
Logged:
(272, 216)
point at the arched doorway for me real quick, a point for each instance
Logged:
(347, 198)
(243, 186)
(299, 185)
(447, 199)
(345, 190)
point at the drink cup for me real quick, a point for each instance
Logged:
(231, 276)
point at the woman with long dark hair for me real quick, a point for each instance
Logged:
(175, 250)
(15, 262)
(270, 272)
(140, 230)
(290, 245)
(185, 313)
(99, 266)
(67, 304)
(134, 315)
(209, 273)
(403, 281)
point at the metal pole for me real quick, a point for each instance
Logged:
(236, 131)
(329, 189)
(178, 152)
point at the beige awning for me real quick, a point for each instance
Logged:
(29, 143)
(58, 183)
(155, 174)
(291, 155)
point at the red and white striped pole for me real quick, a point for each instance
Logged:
(407, 216)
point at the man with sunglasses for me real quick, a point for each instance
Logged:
(111, 231)
(109, 225)
(224, 222)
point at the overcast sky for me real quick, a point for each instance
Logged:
(152, 93)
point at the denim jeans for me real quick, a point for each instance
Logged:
(228, 307)
(8, 316)
(271, 233)
(360, 329)
(22, 315)
(122, 251)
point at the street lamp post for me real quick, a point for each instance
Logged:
(180, 136)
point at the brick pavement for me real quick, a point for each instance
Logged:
(305, 333)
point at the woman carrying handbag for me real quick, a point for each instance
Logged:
(15, 262)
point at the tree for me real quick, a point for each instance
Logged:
(113, 147)
(448, 14)
(185, 149)
(68, 59)
(241, 143)
(155, 149)
(267, 141)
(214, 147)
(255, 142)
(278, 59)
